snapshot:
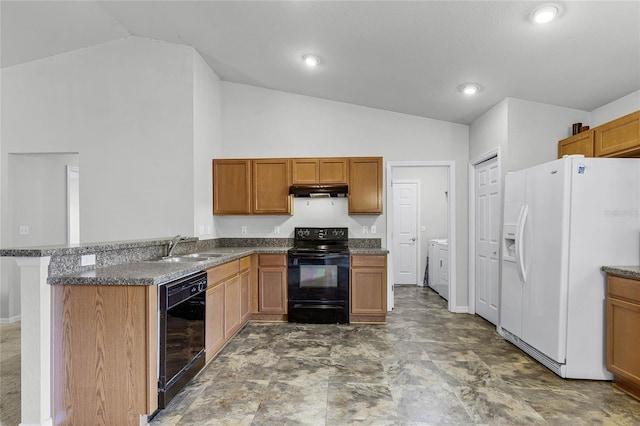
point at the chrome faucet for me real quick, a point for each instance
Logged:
(173, 243)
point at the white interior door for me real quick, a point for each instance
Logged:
(487, 209)
(405, 232)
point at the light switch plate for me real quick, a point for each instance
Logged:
(243, 230)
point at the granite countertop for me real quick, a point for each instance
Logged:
(632, 272)
(149, 272)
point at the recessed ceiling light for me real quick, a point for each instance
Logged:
(470, 88)
(545, 13)
(311, 60)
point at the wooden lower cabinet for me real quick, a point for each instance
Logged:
(232, 300)
(214, 327)
(228, 301)
(105, 342)
(623, 333)
(368, 290)
(271, 288)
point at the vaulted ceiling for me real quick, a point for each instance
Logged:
(405, 56)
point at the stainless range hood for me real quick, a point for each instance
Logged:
(319, 190)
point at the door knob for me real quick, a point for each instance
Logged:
(413, 239)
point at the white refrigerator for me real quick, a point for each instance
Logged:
(563, 221)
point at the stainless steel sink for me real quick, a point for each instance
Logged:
(201, 255)
(187, 258)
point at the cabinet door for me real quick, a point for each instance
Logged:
(305, 171)
(214, 328)
(365, 185)
(232, 306)
(582, 143)
(368, 293)
(272, 288)
(623, 346)
(620, 137)
(231, 186)
(245, 295)
(333, 170)
(271, 182)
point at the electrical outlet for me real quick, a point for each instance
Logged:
(365, 229)
(373, 229)
(276, 230)
(88, 260)
(243, 230)
(423, 228)
(23, 230)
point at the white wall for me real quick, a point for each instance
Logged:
(623, 106)
(37, 199)
(534, 132)
(266, 123)
(127, 108)
(207, 143)
(144, 118)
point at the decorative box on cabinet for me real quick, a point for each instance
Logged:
(365, 185)
(623, 331)
(368, 289)
(582, 143)
(270, 291)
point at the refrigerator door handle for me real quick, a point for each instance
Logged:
(522, 221)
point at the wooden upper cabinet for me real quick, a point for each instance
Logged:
(312, 171)
(365, 185)
(582, 143)
(619, 138)
(305, 171)
(245, 186)
(271, 182)
(231, 186)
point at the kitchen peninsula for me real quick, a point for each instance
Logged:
(104, 319)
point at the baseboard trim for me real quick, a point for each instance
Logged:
(461, 310)
(10, 320)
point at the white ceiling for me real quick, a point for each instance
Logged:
(409, 57)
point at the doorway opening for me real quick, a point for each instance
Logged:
(413, 220)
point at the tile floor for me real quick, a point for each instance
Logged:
(426, 366)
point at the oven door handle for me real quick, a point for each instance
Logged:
(318, 256)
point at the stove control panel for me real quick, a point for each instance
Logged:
(333, 234)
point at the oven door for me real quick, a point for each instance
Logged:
(318, 277)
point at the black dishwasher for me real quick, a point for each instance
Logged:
(182, 327)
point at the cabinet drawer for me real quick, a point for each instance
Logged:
(222, 272)
(623, 288)
(245, 263)
(368, 261)
(272, 260)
